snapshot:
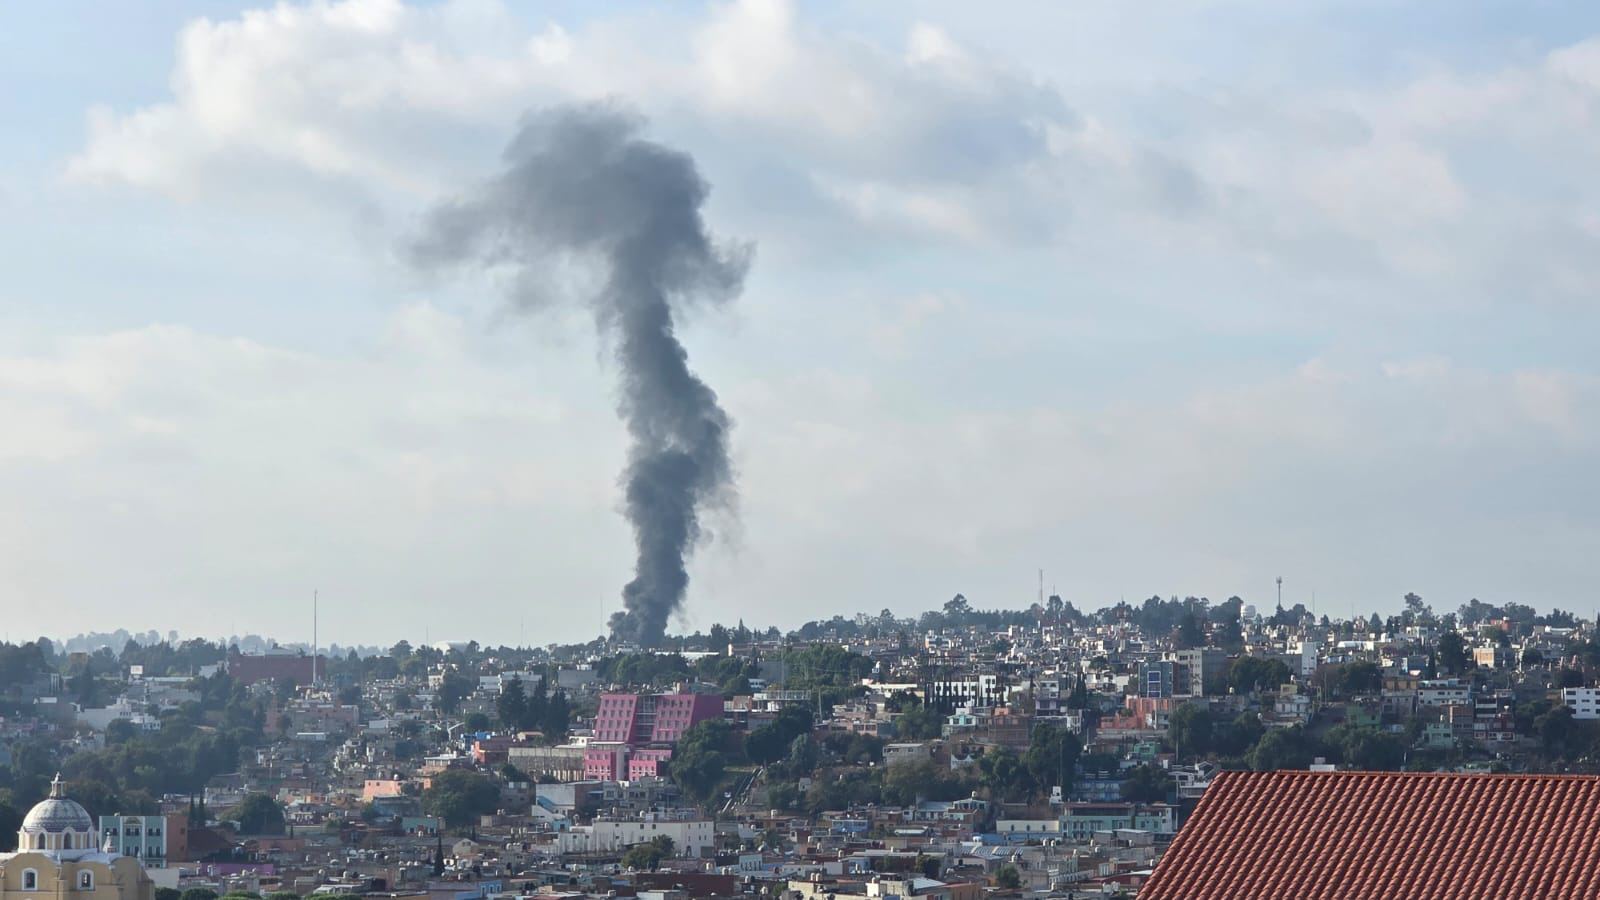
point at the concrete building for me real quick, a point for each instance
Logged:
(1191, 669)
(1495, 657)
(142, 837)
(1584, 701)
(690, 837)
(1443, 692)
(634, 733)
(564, 763)
(279, 666)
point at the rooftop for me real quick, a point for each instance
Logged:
(1308, 835)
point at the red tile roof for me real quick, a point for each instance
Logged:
(1360, 835)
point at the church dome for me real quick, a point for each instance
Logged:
(57, 814)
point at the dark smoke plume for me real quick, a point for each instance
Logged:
(582, 189)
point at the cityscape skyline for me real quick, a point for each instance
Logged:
(1114, 303)
(254, 642)
(799, 450)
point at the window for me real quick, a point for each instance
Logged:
(85, 881)
(30, 880)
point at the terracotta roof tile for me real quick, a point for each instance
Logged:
(1382, 835)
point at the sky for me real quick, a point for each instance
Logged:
(1164, 298)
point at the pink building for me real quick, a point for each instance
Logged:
(604, 763)
(638, 731)
(648, 762)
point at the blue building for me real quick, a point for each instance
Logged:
(142, 837)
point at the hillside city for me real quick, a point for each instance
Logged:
(963, 753)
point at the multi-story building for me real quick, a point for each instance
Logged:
(1080, 820)
(1494, 657)
(276, 665)
(1443, 692)
(564, 763)
(634, 733)
(1191, 669)
(1156, 678)
(948, 692)
(1000, 726)
(1584, 701)
(690, 837)
(142, 837)
(1302, 658)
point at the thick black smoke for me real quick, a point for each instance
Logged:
(582, 190)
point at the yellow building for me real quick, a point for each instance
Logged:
(57, 857)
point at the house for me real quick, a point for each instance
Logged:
(1585, 702)
(1293, 834)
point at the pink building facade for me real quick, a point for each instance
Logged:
(634, 733)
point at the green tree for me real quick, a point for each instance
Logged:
(1452, 653)
(783, 795)
(512, 704)
(802, 758)
(10, 821)
(120, 731)
(1250, 674)
(1367, 749)
(557, 716)
(1190, 635)
(1190, 730)
(918, 723)
(643, 857)
(1281, 748)
(258, 814)
(453, 688)
(1001, 771)
(906, 783)
(1235, 738)
(1079, 698)
(1361, 677)
(771, 742)
(1558, 731)
(1008, 877)
(699, 762)
(1146, 784)
(459, 797)
(199, 893)
(1051, 757)
(166, 893)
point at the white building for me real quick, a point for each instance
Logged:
(1585, 701)
(690, 837)
(1444, 692)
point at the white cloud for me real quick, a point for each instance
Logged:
(433, 466)
(388, 105)
(371, 98)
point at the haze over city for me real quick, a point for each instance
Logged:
(1102, 296)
